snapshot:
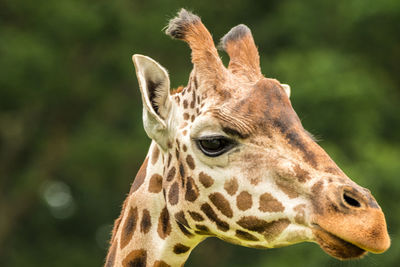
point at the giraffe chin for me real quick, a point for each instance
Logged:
(337, 247)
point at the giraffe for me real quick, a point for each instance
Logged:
(229, 158)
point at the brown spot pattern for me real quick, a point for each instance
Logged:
(180, 217)
(193, 99)
(196, 216)
(129, 227)
(190, 162)
(296, 138)
(164, 224)
(209, 212)
(161, 264)
(270, 204)
(154, 155)
(184, 147)
(155, 183)
(181, 170)
(180, 248)
(184, 230)
(173, 194)
(145, 224)
(171, 174)
(202, 230)
(136, 258)
(245, 235)
(139, 179)
(186, 116)
(192, 191)
(244, 201)
(185, 103)
(169, 159)
(300, 216)
(268, 229)
(205, 180)
(275, 228)
(287, 188)
(301, 174)
(231, 186)
(221, 204)
(316, 190)
(334, 170)
(253, 223)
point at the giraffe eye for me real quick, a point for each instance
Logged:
(214, 146)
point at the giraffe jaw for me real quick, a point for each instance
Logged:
(337, 247)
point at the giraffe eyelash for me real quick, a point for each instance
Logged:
(214, 146)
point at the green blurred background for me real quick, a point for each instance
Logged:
(71, 135)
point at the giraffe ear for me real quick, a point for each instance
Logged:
(154, 86)
(287, 89)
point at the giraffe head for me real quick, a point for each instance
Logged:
(237, 162)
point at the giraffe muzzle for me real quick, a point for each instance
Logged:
(350, 223)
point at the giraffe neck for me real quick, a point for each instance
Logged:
(146, 233)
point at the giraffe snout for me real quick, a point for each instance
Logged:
(350, 217)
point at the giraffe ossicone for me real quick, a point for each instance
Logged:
(230, 159)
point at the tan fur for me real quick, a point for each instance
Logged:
(205, 58)
(243, 53)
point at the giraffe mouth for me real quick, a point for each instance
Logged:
(335, 246)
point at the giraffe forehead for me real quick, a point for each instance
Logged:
(263, 113)
(265, 104)
(262, 107)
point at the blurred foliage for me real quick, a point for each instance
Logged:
(71, 136)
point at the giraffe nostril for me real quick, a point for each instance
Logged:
(351, 201)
